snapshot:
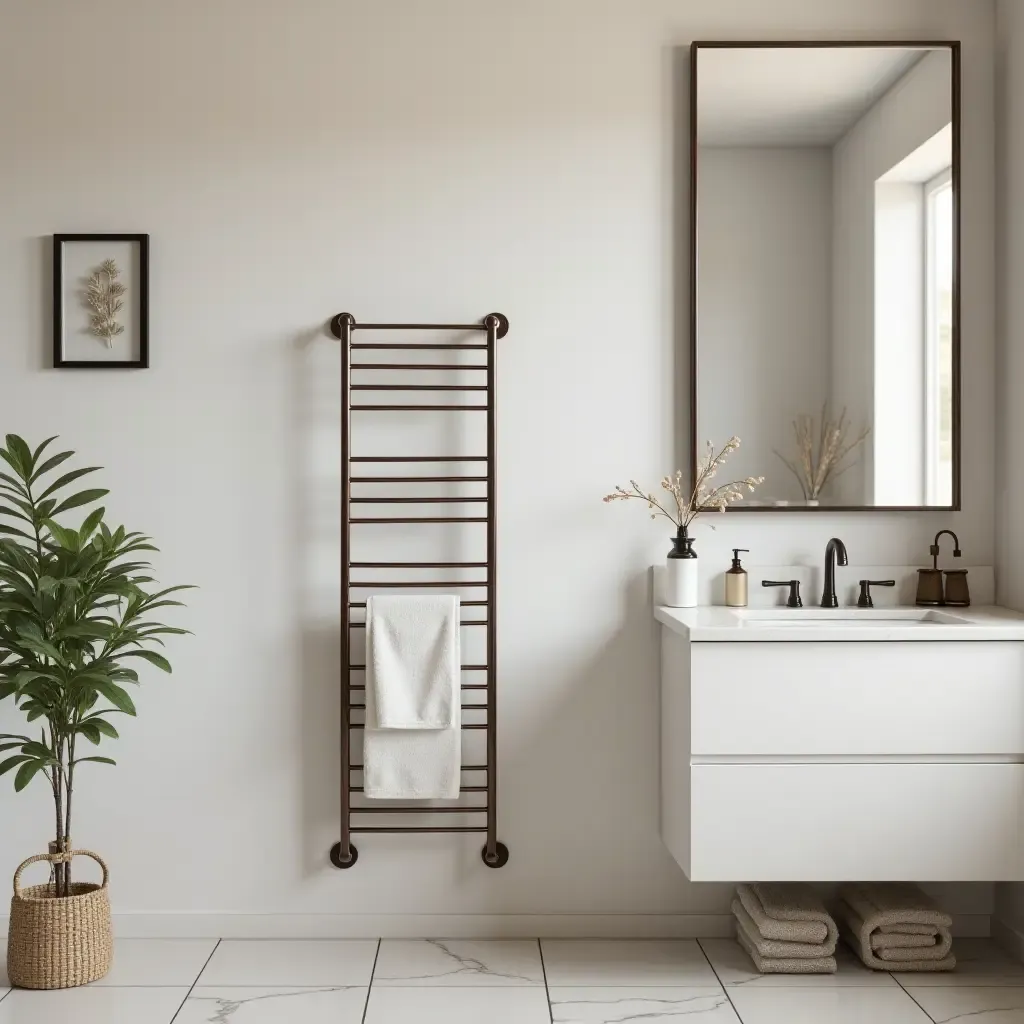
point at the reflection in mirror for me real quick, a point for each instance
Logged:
(825, 266)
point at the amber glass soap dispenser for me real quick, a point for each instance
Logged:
(736, 581)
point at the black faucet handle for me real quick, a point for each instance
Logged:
(795, 600)
(865, 601)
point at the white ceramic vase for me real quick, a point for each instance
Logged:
(682, 572)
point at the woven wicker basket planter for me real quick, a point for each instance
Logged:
(59, 943)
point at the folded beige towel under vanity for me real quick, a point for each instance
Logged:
(785, 965)
(789, 912)
(785, 928)
(776, 948)
(892, 925)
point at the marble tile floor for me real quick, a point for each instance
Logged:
(591, 981)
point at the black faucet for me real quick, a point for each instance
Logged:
(835, 552)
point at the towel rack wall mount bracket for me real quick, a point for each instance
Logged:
(340, 319)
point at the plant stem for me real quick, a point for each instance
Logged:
(58, 800)
(70, 777)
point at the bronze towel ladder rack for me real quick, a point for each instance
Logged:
(495, 854)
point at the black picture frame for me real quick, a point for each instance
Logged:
(140, 363)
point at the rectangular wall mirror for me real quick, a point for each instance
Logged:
(825, 257)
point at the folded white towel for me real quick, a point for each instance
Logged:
(412, 659)
(413, 680)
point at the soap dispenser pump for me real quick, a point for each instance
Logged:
(736, 581)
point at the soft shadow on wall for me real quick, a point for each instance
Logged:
(314, 468)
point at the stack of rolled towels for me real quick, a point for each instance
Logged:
(785, 928)
(893, 926)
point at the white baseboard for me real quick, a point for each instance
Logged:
(473, 926)
(1009, 938)
(418, 926)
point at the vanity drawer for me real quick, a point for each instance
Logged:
(838, 822)
(868, 699)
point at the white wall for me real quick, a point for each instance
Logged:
(402, 160)
(1010, 364)
(912, 111)
(764, 277)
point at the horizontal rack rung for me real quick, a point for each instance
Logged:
(417, 408)
(418, 565)
(419, 810)
(418, 458)
(381, 500)
(416, 366)
(418, 327)
(465, 767)
(465, 668)
(422, 828)
(419, 519)
(464, 604)
(465, 707)
(418, 387)
(417, 583)
(465, 686)
(362, 725)
(462, 789)
(362, 625)
(425, 348)
(417, 479)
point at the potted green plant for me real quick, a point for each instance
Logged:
(77, 607)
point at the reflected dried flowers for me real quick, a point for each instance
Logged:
(821, 450)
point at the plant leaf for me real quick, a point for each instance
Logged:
(98, 760)
(12, 762)
(13, 531)
(90, 731)
(79, 499)
(91, 522)
(116, 695)
(14, 482)
(42, 447)
(104, 727)
(51, 463)
(60, 535)
(21, 452)
(66, 479)
(152, 657)
(26, 773)
(37, 749)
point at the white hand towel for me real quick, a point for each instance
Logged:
(412, 664)
(413, 671)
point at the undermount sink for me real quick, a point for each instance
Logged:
(846, 617)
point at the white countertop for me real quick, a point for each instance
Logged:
(817, 625)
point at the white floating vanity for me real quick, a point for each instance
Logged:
(840, 744)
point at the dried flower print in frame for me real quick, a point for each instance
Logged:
(101, 301)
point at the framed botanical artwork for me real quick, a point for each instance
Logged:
(101, 302)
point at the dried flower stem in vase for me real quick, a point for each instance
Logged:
(703, 498)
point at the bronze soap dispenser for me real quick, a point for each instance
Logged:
(932, 590)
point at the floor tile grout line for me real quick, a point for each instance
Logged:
(196, 982)
(704, 954)
(910, 994)
(369, 988)
(544, 974)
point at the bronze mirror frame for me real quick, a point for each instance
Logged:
(695, 442)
